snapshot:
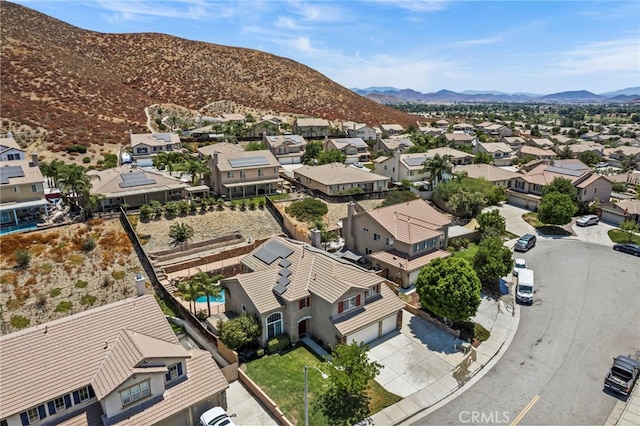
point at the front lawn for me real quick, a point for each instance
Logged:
(281, 376)
(467, 253)
(543, 228)
(619, 236)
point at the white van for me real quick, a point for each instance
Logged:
(525, 287)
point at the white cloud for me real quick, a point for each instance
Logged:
(416, 5)
(130, 10)
(476, 42)
(598, 57)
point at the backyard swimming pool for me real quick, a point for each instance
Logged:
(219, 299)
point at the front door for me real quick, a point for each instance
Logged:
(302, 328)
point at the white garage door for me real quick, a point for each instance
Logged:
(388, 325)
(365, 335)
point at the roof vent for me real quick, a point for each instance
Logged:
(106, 344)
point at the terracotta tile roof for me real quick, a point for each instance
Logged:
(486, 171)
(495, 146)
(375, 309)
(30, 174)
(35, 362)
(90, 416)
(207, 150)
(154, 139)
(394, 257)
(410, 222)
(9, 143)
(532, 150)
(630, 206)
(278, 140)
(337, 174)
(110, 181)
(311, 122)
(588, 181)
(225, 159)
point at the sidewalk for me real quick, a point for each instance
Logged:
(626, 414)
(463, 370)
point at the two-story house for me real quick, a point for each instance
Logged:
(411, 166)
(359, 130)
(298, 290)
(22, 194)
(463, 128)
(542, 143)
(458, 139)
(501, 153)
(615, 156)
(389, 146)
(118, 364)
(514, 142)
(490, 173)
(311, 127)
(392, 129)
(240, 174)
(354, 148)
(263, 128)
(145, 146)
(10, 150)
(399, 239)
(539, 153)
(339, 179)
(288, 149)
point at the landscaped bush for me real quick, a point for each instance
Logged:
(64, 306)
(307, 210)
(278, 343)
(118, 275)
(202, 315)
(239, 331)
(18, 321)
(456, 244)
(55, 292)
(89, 244)
(23, 258)
(88, 300)
(81, 284)
(86, 160)
(77, 149)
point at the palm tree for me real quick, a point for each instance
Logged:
(208, 284)
(437, 167)
(181, 233)
(190, 291)
(198, 169)
(52, 171)
(167, 159)
(75, 185)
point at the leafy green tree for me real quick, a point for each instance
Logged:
(52, 171)
(346, 402)
(209, 285)
(482, 158)
(190, 290)
(437, 167)
(308, 210)
(491, 224)
(75, 186)
(331, 156)
(628, 163)
(589, 158)
(492, 260)
(168, 159)
(449, 288)
(566, 152)
(630, 227)
(311, 152)
(181, 233)
(619, 187)
(556, 208)
(255, 146)
(467, 204)
(496, 195)
(198, 169)
(239, 331)
(397, 197)
(561, 185)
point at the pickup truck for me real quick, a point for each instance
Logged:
(623, 375)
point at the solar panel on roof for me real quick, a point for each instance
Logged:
(9, 172)
(284, 281)
(279, 288)
(285, 263)
(415, 161)
(135, 179)
(284, 272)
(564, 171)
(249, 161)
(271, 251)
(266, 255)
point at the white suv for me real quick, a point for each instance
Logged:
(518, 264)
(590, 219)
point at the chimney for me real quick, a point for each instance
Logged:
(351, 211)
(141, 286)
(34, 159)
(316, 238)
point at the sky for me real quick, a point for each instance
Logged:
(538, 47)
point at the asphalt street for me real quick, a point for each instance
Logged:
(586, 311)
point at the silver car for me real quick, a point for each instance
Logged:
(590, 219)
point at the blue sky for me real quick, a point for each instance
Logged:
(509, 46)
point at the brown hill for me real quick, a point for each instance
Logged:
(91, 88)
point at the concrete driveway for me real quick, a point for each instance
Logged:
(513, 215)
(594, 233)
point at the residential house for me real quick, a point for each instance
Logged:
(10, 150)
(615, 156)
(226, 147)
(463, 128)
(391, 145)
(564, 140)
(399, 239)
(538, 153)
(240, 174)
(514, 142)
(299, 290)
(442, 124)
(263, 128)
(586, 146)
(311, 127)
(458, 139)
(339, 179)
(497, 130)
(22, 194)
(501, 153)
(133, 186)
(355, 149)
(360, 130)
(288, 149)
(273, 118)
(431, 131)
(233, 118)
(620, 211)
(490, 173)
(117, 364)
(526, 190)
(147, 145)
(392, 129)
(542, 143)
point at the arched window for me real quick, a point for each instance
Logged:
(274, 325)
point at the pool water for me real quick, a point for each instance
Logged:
(219, 299)
(11, 229)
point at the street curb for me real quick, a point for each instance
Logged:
(479, 373)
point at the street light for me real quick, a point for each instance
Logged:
(306, 392)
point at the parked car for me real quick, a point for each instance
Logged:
(590, 219)
(526, 242)
(633, 249)
(519, 264)
(602, 165)
(623, 375)
(525, 287)
(216, 416)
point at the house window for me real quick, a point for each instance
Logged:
(304, 302)
(385, 167)
(595, 190)
(135, 393)
(367, 251)
(243, 175)
(174, 372)
(229, 175)
(389, 241)
(275, 170)
(33, 415)
(274, 325)
(376, 237)
(260, 172)
(373, 290)
(34, 188)
(13, 157)
(349, 303)
(16, 189)
(59, 404)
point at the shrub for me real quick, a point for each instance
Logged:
(64, 306)
(88, 244)
(13, 304)
(86, 160)
(239, 331)
(202, 315)
(81, 284)
(23, 258)
(118, 275)
(480, 332)
(458, 243)
(277, 343)
(308, 210)
(55, 292)
(88, 300)
(18, 321)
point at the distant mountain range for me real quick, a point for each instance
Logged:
(391, 95)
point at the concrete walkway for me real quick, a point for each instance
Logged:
(248, 410)
(626, 414)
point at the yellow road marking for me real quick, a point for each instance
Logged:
(525, 410)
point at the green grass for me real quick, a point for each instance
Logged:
(619, 236)
(467, 254)
(532, 219)
(281, 376)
